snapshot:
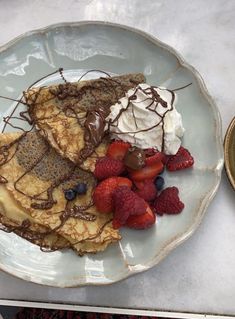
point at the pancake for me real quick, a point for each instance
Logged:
(71, 116)
(14, 218)
(36, 176)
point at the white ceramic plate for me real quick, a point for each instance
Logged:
(117, 49)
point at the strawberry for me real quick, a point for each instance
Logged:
(141, 184)
(142, 221)
(146, 172)
(150, 152)
(153, 156)
(146, 190)
(126, 203)
(118, 149)
(182, 159)
(168, 202)
(106, 167)
(104, 190)
(150, 160)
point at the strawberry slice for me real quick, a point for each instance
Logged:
(141, 184)
(142, 221)
(118, 149)
(159, 156)
(146, 172)
(150, 151)
(181, 160)
(146, 190)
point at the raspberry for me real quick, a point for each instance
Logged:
(146, 190)
(126, 203)
(103, 193)
(181, 160)
(142, 221)
(168, 202)
(107, 167)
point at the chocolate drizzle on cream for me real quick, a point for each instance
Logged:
(154, 100)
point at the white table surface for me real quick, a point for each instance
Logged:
(199, 276)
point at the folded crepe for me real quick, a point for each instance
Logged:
(35, 175)
(13, 218)
(71, 116)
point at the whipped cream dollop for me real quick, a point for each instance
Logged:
(146, 117)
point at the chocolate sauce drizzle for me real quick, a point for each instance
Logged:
(95, 123)
(154, 98)
(33, 236)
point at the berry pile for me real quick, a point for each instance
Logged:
(135, 196)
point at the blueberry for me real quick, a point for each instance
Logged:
(80, 188)
(70, 194)
(159, 182)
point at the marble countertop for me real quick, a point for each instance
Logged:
(198, 276)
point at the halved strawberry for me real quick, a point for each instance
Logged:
(118, 149)
(146, 190)
(150, 160)
(107, 166)
(140, 184)
(146, 172)
(150, 151)
(142, 221)
(103, 192)
(181, 160)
